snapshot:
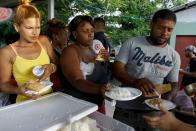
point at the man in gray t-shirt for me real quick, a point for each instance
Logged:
(144, 62)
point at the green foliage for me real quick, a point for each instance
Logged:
(6, 29)
(133, 19)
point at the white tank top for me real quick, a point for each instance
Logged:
(86, 68)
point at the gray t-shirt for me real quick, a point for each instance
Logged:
(144, 60)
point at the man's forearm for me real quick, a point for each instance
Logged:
(174, 90)
(120, 73)
(126, 78)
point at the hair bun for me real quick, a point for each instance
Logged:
(25, 2)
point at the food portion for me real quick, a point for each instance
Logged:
(34, 86)
(84, 124)
(161, 89)
(99, 56)
(120, 93)
(155, 102)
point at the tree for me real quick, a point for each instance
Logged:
(133, 19)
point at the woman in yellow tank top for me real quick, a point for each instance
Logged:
(30, 50)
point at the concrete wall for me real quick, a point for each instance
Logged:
(186, 24)
(182, 28)
(187, 15)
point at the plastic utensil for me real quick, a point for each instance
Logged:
(157, 93)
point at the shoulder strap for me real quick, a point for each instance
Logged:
(13, 49)
(40, 44)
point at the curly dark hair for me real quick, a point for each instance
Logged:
(99, 19)
(76, 21)
(54, 26)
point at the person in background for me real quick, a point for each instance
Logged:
(84, 77)
(168, 122)
(19, 58)
(190, 74)
(99, 25)
(99, 37)
(58, 34)
(182, 100)
(145, 61)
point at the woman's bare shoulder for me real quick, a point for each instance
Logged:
(7, 52)
(43, 38)
(70, 50)
(44, 41)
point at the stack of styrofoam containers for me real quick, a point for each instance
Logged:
(52, 112)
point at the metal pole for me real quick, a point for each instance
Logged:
(50, 9)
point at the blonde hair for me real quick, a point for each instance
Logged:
(25, 10)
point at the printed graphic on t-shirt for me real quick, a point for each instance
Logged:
(161, 71)
(140, 57)
(157, 64)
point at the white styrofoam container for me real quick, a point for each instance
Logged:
(105, 123)
(36, 115)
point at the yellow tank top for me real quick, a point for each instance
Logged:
(22, 69)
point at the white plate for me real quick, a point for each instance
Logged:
(168, 105)
(47, 85)
(133, 91)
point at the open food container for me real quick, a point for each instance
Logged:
(104, 123)
(53, 111)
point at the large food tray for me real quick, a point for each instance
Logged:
(36, 115)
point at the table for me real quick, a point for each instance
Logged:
(187, 115)
(131, 113)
